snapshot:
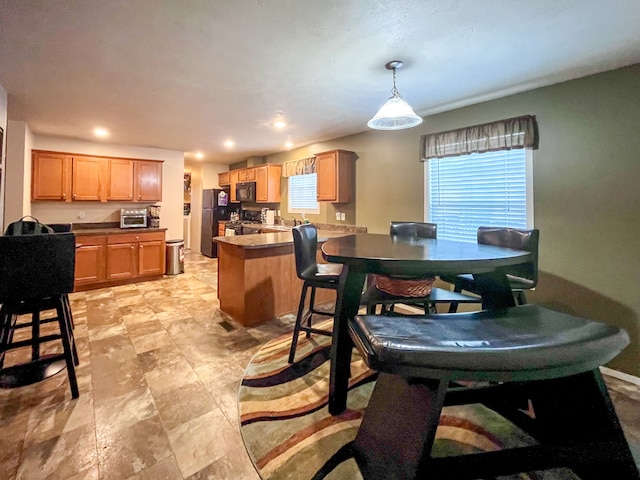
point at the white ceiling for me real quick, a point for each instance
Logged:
(188, 74)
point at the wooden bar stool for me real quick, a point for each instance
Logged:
(548, 357)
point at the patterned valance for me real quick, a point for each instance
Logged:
(518, 132)
(299, 167)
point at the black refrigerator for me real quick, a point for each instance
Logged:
(216, 206)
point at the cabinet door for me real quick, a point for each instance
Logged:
(90, 260)
(233, 179)
(86, 178)
(147, 181)
(151, 257)
(120, 180)
(50, 176)
(327, 171)
(268, 183)
(247, 175)
(223, 179)
(121, 260)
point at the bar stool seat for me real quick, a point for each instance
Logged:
(549, 357)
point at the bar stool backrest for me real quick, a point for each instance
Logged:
(36, 266)
(305, 245)
(414, 229)
(518, 239)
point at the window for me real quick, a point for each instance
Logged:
(303, 196)
(466, 191)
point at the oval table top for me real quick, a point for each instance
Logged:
(388, 254)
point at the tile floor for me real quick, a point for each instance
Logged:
(159, 373)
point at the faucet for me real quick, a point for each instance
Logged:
(295, 222)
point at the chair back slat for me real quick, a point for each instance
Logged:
(305, 245)
(414, 229)
(518, 239)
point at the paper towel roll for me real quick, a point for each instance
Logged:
(271, 217)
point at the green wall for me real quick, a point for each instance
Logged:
(586, 193)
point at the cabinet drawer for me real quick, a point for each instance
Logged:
(134, 237)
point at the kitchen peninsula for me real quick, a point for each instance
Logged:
(257, 278)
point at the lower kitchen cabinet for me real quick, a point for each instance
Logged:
(107, 260)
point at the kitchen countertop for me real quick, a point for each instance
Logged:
(109, 228)
(275, 239)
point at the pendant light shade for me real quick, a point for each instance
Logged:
(395, 114)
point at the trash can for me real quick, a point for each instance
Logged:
(175, 257)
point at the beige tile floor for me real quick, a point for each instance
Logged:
(159, 373)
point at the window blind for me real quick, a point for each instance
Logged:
(303, 197)
(468, 191)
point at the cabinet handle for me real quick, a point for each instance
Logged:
(139, 197)
(74, 196)
(64, 196)
(130, 196)
(131, 247)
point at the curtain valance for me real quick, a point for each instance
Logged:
(517, 132)
(299, 167)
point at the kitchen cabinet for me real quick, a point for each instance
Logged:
(120, 185)
(247, 175)
(91, 255)
(51, 176)
(233, 179)
(222, 225)
(268, 183)
(113, 259)
(147, 185)
(223, 179)
(334, 170)
(68, 177)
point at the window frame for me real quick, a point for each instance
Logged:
(528, 189)
(291, 209)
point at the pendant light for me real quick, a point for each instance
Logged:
(395, 114)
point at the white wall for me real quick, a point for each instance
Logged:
(18, 190)
(172, 185)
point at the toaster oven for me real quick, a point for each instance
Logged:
(133, 218)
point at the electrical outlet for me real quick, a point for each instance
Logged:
(337, 215)
(342, 216)
(80, 215)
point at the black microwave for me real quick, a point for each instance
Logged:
(246, 192)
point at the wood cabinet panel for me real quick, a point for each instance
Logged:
(121, 261)
(120, 183)
(233, 179)
(50, 176)
(268, 183)
(90, 260)
(151, 257)
(147, 181)
(223, 179)
(247, 175)
(86, 178)
(334, 171)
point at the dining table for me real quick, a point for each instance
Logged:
(370, 253)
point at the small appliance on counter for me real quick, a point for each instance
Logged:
(154, 216)
(133, 218)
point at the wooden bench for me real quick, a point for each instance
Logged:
(528, 352)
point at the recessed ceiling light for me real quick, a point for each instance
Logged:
(199, 155)
(100, 132)
(288, 144)
(280, 124)
(229, 143)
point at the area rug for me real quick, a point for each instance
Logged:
(289, 433)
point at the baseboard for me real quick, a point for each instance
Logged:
(620, 375)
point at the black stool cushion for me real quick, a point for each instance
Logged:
(522, 343)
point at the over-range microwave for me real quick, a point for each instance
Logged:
(246, 192)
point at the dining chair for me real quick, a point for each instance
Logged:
(521, 277)
(375, 295)
(314, 275)
(36, 274)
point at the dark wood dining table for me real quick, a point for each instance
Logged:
(364, 253)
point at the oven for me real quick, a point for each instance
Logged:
(133, 218)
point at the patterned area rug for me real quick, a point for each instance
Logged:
(289, 433)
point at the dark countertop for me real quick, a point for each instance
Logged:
(109, 228)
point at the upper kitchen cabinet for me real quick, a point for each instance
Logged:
(233, 179)
(334, 172)
(223, 179)
(268, 183)
(147, 185)
(247, 175)
(51, 176)
(69, 177)
(120, 186)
